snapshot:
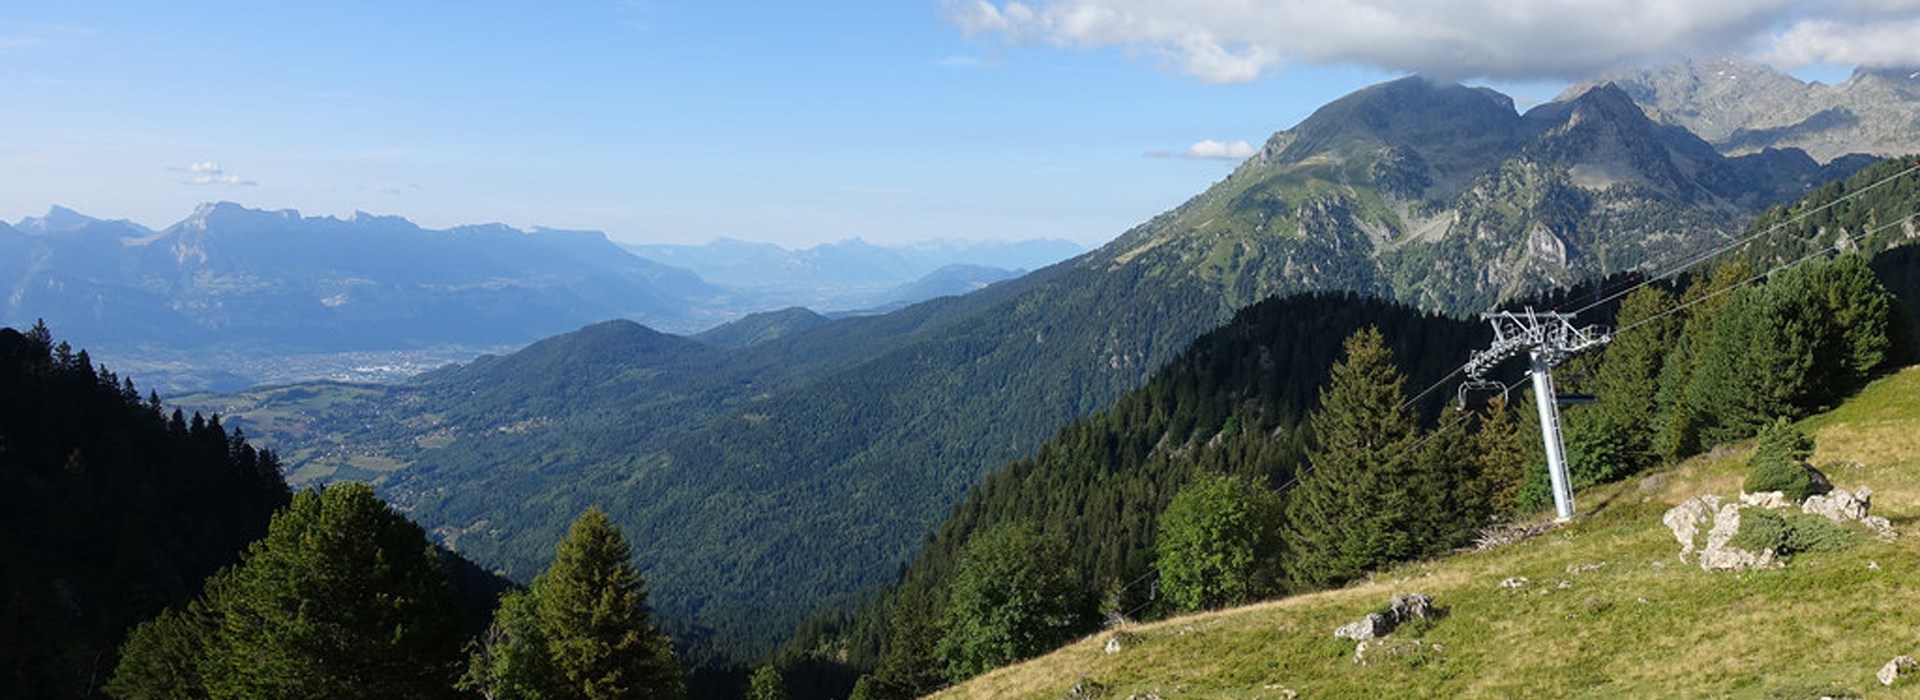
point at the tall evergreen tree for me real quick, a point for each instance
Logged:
(344, 598)
(1357, 509)
(1508, 443)
(1628, 381)
(591, 610)
(1679, 408)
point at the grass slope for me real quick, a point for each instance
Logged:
(1609, 611)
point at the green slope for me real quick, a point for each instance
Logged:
(1630, 620)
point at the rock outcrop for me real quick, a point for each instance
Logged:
(1403, 608)
(1722, 523)
(1896, 669)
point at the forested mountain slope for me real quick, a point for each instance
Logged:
(109, 511)
(817, 460)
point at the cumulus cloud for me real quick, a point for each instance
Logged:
(1240, 40)
(1209, 149)
(1879, 44)
(210, 173)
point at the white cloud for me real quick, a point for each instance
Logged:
(963, 62)
(1209, 149)
(1887, 43)
(210, 173)
(1240, 40)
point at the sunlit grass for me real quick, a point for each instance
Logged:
(1640, 624)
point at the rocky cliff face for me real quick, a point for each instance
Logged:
(1445, 197)
(1744, 108)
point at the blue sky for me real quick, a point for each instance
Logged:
(667, 121)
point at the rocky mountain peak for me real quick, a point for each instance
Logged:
(1412, 112)
(1742, 107)
(58, 219)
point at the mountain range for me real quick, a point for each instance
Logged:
(800, 461)
(231, 296)
(1743, 107)
(854, 275)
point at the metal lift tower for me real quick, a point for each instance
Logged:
(1549, 339)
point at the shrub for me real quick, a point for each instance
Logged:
(1779, 462)
(1760, 530)
(1790, 534)
(1807, 532)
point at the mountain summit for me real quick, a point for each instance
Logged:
(1443, 196)
(1743, 107)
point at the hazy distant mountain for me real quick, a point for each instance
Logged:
(817, 459)
(855, 275)
(277, 283)
(1743, 107)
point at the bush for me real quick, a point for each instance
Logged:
(1760, 530)
(1812, 533)
(1789, 535)
(1779, 462)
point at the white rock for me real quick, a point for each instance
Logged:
(1840, 506)
(1685, 521)
(1900, 666)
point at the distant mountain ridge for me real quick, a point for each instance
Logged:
(854, 275)
(233, 296)
(1743, 107)
(232, 276)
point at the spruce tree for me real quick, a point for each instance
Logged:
(344, 598)
(591, 609)
(1628, 382)
(1356, 509)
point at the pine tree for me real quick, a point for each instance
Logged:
(343, 599)
(591, 609)
(1628, 381)
(1355, 510)
(1508, 442)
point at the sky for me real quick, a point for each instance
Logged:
(668, 121)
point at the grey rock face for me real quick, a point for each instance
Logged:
(1405, 607)
(1369, 627)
